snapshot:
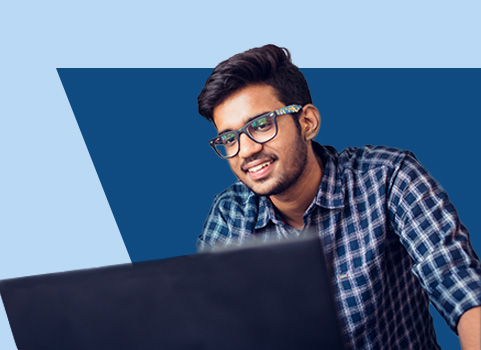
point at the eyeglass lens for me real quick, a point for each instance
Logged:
(260, 130)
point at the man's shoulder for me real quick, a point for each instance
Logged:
(233, 214)
(236, 197)
(371, 157)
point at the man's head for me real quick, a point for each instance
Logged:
(237, 96)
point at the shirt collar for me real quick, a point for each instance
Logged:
(330, 194)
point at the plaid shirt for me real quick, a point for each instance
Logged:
(391, 238)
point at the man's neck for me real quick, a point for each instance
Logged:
(293, 203)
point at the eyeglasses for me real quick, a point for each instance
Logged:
(260, 130)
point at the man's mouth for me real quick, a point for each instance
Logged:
(259, 167)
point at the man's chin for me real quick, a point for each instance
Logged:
(271, 186)
(266, 188)
(261, 187)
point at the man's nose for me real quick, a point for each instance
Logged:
(247, 147)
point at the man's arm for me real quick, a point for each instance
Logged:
(444, 260)
(469, 329)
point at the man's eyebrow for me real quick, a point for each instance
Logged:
(247, 122)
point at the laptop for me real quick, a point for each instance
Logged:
(273, 296)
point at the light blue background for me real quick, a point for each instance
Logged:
(54, 214)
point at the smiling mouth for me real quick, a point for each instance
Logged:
(259, 167)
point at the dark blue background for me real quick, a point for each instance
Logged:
(149, 145)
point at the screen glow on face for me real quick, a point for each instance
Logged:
(260, 126)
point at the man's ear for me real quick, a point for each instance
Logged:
(310, 121)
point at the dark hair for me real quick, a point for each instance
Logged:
(269, 64)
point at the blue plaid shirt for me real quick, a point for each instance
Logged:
(391, 238)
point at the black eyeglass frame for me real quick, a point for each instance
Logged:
(291, 109)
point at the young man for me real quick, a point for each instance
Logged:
(389, 233)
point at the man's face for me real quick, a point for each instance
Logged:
(270, 168)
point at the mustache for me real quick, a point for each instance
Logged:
(255, 157)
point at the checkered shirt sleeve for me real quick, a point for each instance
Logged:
(429, 228)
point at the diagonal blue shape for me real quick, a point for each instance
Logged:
(149, 146)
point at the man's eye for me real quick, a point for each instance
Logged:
(261, 124)
(227, 139)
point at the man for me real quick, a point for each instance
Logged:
(389, 233)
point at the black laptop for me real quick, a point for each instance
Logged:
(274, 296)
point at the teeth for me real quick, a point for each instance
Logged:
(259, 167)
